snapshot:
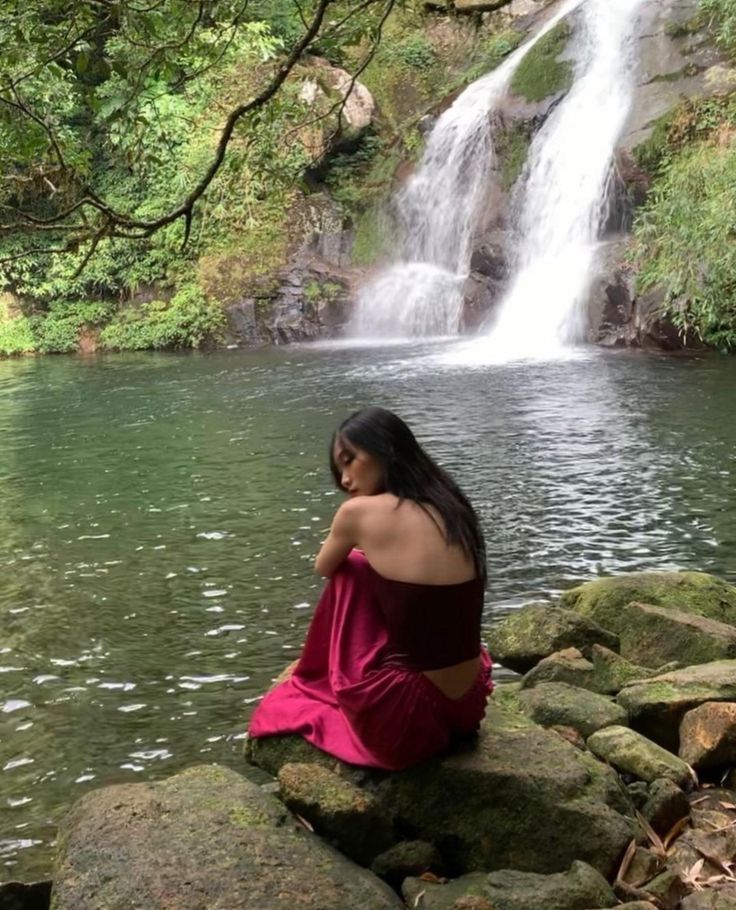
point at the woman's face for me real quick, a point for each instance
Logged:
(360, 473)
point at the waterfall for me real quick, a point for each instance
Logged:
(565, 189)
(422, 294)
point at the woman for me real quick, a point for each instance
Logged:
(392, 667)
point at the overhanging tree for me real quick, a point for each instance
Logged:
(87, 86)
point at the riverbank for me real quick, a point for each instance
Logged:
(603, 776)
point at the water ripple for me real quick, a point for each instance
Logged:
(160, 515)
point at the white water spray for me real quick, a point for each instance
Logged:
(565, 190)
(421, 295)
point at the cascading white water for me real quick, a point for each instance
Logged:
(421, 295)
(565, 190)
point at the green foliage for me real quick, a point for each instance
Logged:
(684, 240)
(693, 121)
(415, 51)
(722, 14)
(346, 174)
(189, 320)
(58, 331)
(541, 74)
(491, 51)
(375, 237)
(690, 26)
(315, 291)
(16, 334)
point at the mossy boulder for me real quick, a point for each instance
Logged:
(271, 753)
(567, 666)
(558, 704)
(635, 754)
(708, 735)
(611, 672)
(580, 888)
(604, 600)
(656, 706)
(517, 797)
(338, 810)
(654, 635)
(665, 805)
(533, 632)
(409, 858)
(203, 838)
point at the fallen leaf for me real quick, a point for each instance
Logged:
(654, 838)
(717, 861)
(626, 861)
(431, 877)
(419, 897)
(304, 822)
(675, 831)
(727, 805)
(690, 876)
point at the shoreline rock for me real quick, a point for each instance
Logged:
(529, 815)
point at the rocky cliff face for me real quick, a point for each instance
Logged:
(677, 60)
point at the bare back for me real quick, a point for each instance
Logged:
(403, 541)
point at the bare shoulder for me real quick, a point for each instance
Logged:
(360, 508)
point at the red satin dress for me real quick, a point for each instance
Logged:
(358, 691)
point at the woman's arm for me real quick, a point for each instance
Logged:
(342, 538)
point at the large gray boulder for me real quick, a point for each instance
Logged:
(520, 797)
(203, 838)
(533, 632)
(611, 672)
(579, 888)
(629, 751)
(708, 735)
(655, 635)
(338, 810)
(604, 600)
(678, 58)
(558, 704)
(656, 706)
(567, 666)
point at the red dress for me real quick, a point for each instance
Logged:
(358, 691)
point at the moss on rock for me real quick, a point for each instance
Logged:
(656, 706)
(535, 631)
(556, 703)
(203, 838)
(655, 635)
(512, 149)
(345, 814)
(604, 600)
(541, 73)
(631, 752)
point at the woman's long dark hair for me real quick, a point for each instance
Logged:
(410, 473)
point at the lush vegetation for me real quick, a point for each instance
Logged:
(112, 122)
(684, 234)
(112, 117)
(722, 14)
